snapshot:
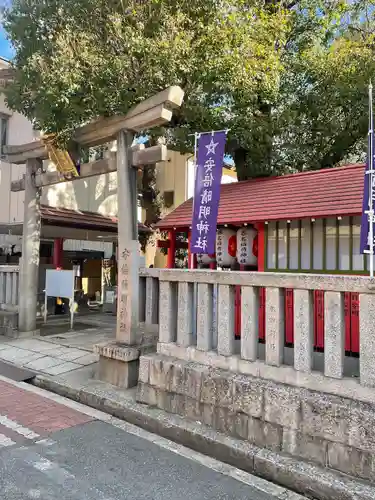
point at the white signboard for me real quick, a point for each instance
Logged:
(110, 297)
(60, 284)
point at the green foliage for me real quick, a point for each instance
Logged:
(287, 77)
(76, 60)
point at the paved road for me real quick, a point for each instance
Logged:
(50, 451)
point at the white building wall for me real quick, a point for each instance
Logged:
(99, 246)
(93, 195)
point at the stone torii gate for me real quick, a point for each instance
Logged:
(152, 112)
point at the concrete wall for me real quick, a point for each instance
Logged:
(331, 431)
(19, 131)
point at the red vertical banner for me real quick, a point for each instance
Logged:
(262, 314)
(354, 322)
(347, 319)
(237, 312)
(319, 319)
(289, 317)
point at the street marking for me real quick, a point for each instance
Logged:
(34, 493)
(60, 475)
(14, 426)
(46, 442)
(5, 441)
(51, 469)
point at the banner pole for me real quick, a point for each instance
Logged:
(371, 179)
(196, 137)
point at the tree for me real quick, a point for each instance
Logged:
(322, 119)
(287, 77)
(77, 60)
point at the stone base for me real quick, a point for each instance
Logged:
(118, 364)
(8, 323)
(9, 326)
(333, 432)
(120, 373)
(16, 334)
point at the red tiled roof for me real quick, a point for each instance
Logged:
(321, 193)
(82, 219)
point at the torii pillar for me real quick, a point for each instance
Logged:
(29, 272)
(128, 246)
(118, 361)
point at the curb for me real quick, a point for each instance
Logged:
(305, 478)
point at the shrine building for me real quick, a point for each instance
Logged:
(301, 223)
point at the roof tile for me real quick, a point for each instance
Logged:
(321, 193)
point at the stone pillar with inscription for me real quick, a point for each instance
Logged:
(30, 251)
(119, 361)
(128, 247)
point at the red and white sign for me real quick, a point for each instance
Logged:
(247, 246)
(226, 247)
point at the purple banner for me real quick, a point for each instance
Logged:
(365, 225)
(207, 192)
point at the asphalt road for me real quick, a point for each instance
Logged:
(49, 451)
(96, 461)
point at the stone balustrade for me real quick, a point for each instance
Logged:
(213, 293)
(300, 400)
(149, 296)
(9, 287)
(9, 300)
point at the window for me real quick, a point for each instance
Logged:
(358, 258)
(271, 246)
(293, 245)
(282, 239)
(168, 198)
(317, 236)
(344, 244)
(306, 244)
(333, 242)
(3, 134)
(331, 233)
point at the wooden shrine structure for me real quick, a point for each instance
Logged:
(306, 223)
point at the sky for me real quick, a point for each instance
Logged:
(5, 48)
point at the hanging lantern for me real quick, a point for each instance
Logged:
(247, 246)
(204, 259)
(226, 247)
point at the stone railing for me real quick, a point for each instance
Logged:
(208, 326)
(9, 287)
(149, 296)
(303, 397)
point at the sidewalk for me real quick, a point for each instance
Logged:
(58, 350)
(58, 353)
